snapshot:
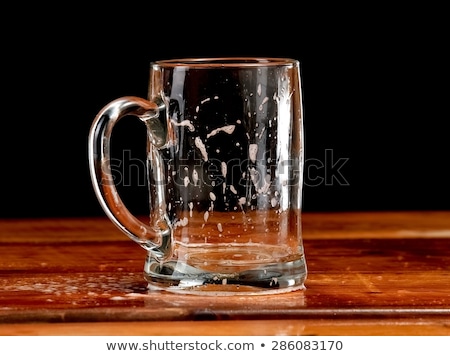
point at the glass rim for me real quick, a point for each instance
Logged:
(225, 62)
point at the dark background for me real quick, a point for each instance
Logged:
(373, 87)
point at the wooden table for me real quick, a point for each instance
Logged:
(370, 273)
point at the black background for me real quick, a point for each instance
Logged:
(374, 95)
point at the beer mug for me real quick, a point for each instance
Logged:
(224, 171)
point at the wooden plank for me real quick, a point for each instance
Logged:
(378, 224)
(329, 327)
(367, 272)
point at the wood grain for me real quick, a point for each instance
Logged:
(382, 273)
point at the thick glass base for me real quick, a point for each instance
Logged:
(271, 278)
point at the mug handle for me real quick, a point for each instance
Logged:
(158, 237)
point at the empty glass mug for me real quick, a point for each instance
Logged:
(224, 171)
